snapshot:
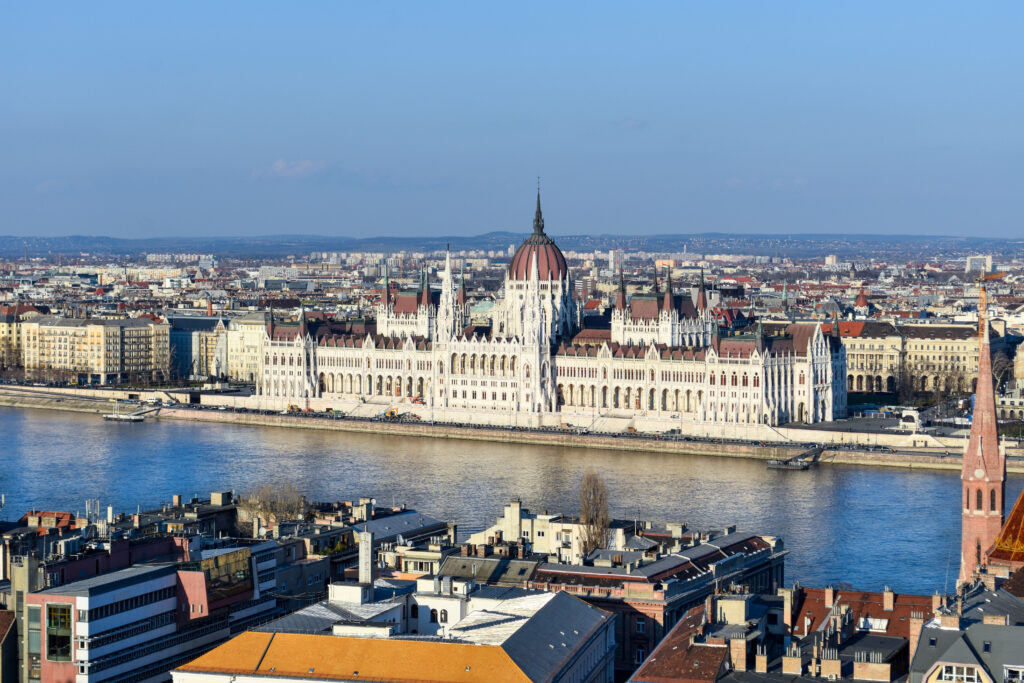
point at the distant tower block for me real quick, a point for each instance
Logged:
(365, 558)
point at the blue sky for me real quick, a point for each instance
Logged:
(344, 118)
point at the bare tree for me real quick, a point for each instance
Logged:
(1002, 368)
(593, 512)
(273, 504)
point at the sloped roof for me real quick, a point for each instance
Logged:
(322, 657)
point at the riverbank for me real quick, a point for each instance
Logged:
(40, 399)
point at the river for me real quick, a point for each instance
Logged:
(864, 527)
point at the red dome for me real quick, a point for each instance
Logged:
(550, 261)
(862, 300)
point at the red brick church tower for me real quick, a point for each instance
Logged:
(984, 466)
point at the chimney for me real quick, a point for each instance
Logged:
(916, 624)
(950, 621)
(709, 608)
(738, 653)
(366, 558)
(136, 520)
(761, 660)
(888, 599)
(792, 663)
(830, 596)
(995, 619)
(464, 550)
(937, 601)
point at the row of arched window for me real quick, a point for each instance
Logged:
(979, 499)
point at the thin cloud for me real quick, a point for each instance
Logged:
(283, 168)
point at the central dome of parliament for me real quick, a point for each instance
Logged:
(550, 261)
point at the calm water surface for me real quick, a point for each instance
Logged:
(867, 527)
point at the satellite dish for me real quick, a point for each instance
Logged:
(373, 501)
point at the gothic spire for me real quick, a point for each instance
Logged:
(702, 297)
(620, 299)
(668, 302)
(538, 218)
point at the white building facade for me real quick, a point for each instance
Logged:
(663, 358)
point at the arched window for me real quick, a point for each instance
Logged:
(977, 500)
(734, 379)
(433, 616)
(712, 379)
(757, 380)
(444, 616)
(414, 611)
(992, 500)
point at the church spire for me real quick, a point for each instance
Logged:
(984, 466)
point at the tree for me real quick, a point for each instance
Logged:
(273, 504)
(593, 512)
(1002, 368)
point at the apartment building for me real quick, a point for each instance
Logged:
(96, 351)
(244, 345)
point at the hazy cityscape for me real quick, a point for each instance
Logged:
(305, 375)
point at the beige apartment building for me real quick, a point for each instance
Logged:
(245, 343)
(11, 318)
(95, 351)
(932, 357)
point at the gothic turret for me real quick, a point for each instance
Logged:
(620, 298)
(702, 296)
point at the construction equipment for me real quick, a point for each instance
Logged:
(390, 414)
(990, 277)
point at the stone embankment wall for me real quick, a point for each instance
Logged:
(91, 402)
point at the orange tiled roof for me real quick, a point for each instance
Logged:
(318, 657)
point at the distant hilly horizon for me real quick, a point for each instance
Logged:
(283, 244)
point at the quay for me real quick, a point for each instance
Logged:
(867, 455)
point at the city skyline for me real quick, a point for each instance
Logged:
(351, 121)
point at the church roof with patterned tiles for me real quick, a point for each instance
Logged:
(1009, 545)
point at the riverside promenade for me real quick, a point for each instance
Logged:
(943, 457)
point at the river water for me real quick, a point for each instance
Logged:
(865, 527)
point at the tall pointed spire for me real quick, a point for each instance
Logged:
(538, 218)
(702, 297)
(462, 284)
(620, 298)
(386, 299)
(984, 466)
(668, 302)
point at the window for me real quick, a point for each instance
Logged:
(992, 500)
(641, 655)
(58, 633)
(641, 625)
(433, 616)
(1013, 674)
(959, 674)
(414, 612)
(444, 616)
(977, 500)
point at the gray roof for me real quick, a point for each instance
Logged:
(980, 602)
(104, 583)
(491, 569)
(405, 523)
(57, 321)
(541, 645)
(968, 647)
